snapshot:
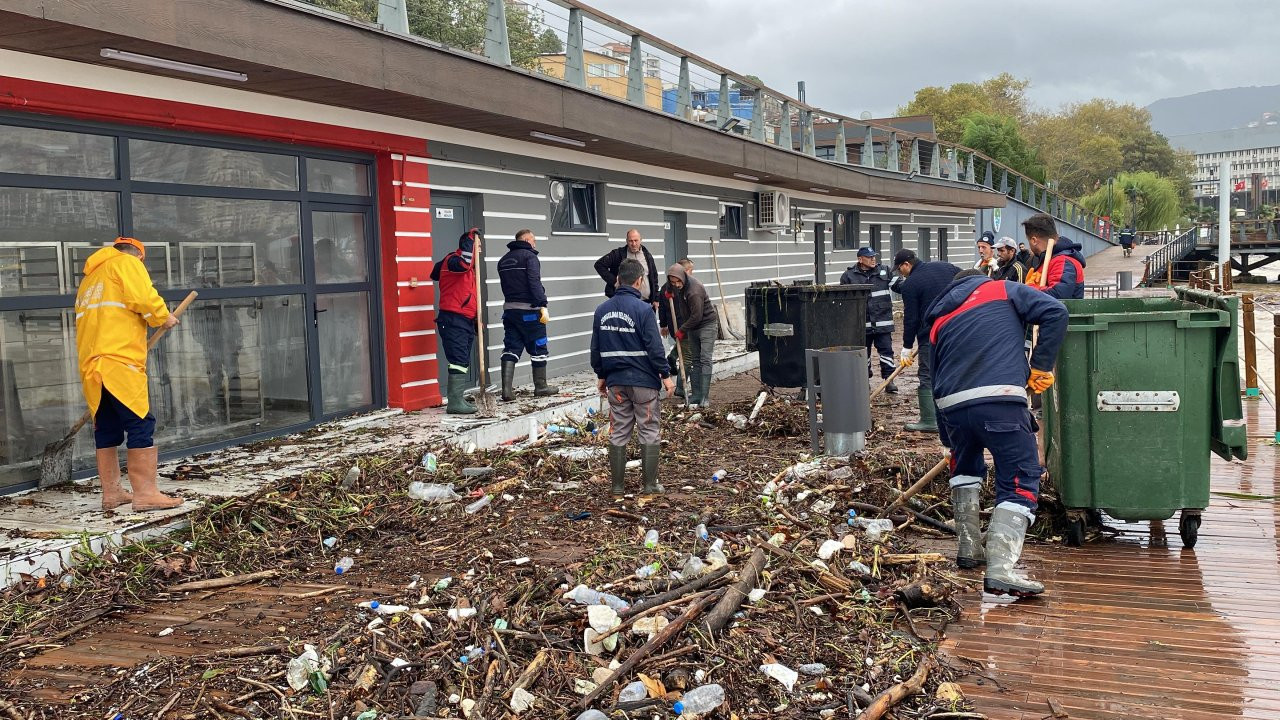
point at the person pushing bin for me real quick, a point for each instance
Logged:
(980, 381)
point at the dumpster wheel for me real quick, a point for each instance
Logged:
(1189, 527)
(1077, 525)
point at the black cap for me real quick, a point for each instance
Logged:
(903, 256)
(988, 237)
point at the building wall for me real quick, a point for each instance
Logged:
(1011, 217)
(613, 85)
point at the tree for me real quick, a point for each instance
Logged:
(549, 43)
(1002, 95)
(998, 137)
(1143, 197)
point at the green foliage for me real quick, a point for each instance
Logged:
(549, 43)
(1002, 95)
(997, 136)
(1145, 196)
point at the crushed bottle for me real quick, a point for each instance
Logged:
(874, 529)
(718, 475)
(343, 565)
(586, 596)
(646, 571)
(633, 692)
(701, 531)
(479, 505)
(651, 539)
(700, 701)
(433, 492)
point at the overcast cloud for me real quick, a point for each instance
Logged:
(872, 55)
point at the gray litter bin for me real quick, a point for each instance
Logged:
(838, 375)
(1124, 280)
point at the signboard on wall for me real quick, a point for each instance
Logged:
(444, 213)
(995, 220)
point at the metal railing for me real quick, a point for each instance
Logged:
(1160, 264)
(603, 54)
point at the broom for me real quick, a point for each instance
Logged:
(486, 403)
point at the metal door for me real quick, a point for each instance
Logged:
(820, 253)
(450, 218)
(675, 245)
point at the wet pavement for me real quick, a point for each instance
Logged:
(1139, 626)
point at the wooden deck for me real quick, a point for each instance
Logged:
(1139, 627)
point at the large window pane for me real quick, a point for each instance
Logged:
(40, 393)
(230, 368)
(36, 151)
(35, 225)
(339, 178)
(223, 243)
(339, 247)
(343, 327)
(196, 165)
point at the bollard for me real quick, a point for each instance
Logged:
(1225, 275)
(1250, 347)
(1170, 273)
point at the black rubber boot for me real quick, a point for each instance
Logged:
(617, 469)
(970, 552)
(540, 386)
(458, 403)
(649, 466)
(928, 415)
(508, 380)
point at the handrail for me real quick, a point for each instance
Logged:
(1159, 263)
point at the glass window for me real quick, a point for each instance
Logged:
(339, 247)
(221, 242)
(922, 244)
(731, 227)
(165, 162)
(895, 239)
(342, 324)
(573, 206)
(942, 244)
(339, 178)
(36, 224)
(37, 151)
(848, 230)
(873, 239)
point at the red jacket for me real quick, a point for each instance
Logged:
(456, 275)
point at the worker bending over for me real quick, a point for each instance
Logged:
(923, 282)
(980, 380)
(114, 305)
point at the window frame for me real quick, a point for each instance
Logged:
(850, 230)
(591, 208)
(727, 209)
(873, 237)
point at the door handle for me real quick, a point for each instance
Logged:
(316, 309)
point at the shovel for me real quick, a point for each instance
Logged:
(55, 462)
(486, 403)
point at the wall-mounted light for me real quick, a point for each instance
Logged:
(820, 190)
(177, 65)
(744, 176)
(729, 124)
(557, 138)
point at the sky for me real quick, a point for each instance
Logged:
(872, 55)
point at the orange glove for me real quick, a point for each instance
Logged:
(1040, 380)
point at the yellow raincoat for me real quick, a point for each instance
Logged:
(115, 304)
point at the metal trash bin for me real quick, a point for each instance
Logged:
(836, 376)
(785, 320)
(1146, 389)
(1124, 280)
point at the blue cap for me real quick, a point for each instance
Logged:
(866, 252)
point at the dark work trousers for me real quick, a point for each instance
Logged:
(524, 332)
(457, 334)
(883, 343)
(924, 357)
(114, 420)
(1009, 432)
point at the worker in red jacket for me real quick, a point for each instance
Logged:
(456, 317)
(1065, 279)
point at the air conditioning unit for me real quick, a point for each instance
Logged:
(773, 209)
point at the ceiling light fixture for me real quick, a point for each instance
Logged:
(177, 65)
(557, 138)
(820, 190)
(744, 176)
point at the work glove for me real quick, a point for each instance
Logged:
(904, 358)
(1040, 380)
(680, 335)
(543, 316)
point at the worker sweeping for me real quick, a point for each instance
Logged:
(114, 305)
(627, 356)
(980, 380)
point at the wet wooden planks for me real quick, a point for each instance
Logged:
(1139, 627)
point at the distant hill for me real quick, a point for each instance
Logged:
(1213, 109)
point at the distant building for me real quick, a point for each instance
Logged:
(622, 51)
(606, 73)
(1254, 153)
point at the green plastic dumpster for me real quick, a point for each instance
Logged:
(1146, 388)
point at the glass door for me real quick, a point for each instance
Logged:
(344, 345)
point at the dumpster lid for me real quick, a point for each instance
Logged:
(1229, 438)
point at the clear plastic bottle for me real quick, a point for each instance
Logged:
(633, 692)
(646, 571)
(586, 596)
(715, 555)
(562, 429)
(718, 475)
(693, 567)
(651, 539)
(479, 505)
(432, 492)
(343, 565)
(429, 462)
(700, 701)
(592, 714)
(701, 531)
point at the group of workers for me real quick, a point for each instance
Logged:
(970, 331)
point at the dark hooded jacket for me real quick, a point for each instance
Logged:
(1066, 271)
(977, 327)
(607, 268)
(880, 303)
(926, 281)
(520, 274)
(693, 306)
(626, 348)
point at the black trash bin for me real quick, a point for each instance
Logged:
(785, 320)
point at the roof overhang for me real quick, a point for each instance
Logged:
(289, 52)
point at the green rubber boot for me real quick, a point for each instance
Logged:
(617, 469)
(928, 413)
(540, 386)
(649, 466)
(508, 380)
(458, 403)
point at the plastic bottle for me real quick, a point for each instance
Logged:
(700, 701)
(562, 429)
(633, 692)
(715, 555)
(812, 669)
(651, 539)
(382, 609)
(718, 475)
(429, 462)
(479, 505)
(432, 492)
(693, 567)
(592, 714)
(701, 531)
(472, 654)
(586, 596)
(850, 516)
(646, 571)
(343, 565)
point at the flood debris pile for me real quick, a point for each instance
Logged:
(507, 584)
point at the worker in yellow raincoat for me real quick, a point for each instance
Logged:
(114, 305)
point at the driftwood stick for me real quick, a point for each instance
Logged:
(223, 582)
(531, 671)
(654, 643)
(674, 593)
(251, 651)
(720, 615)
(896, 694)
(489, 676)
(921, 484)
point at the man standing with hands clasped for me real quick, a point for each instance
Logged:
(629, 362)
